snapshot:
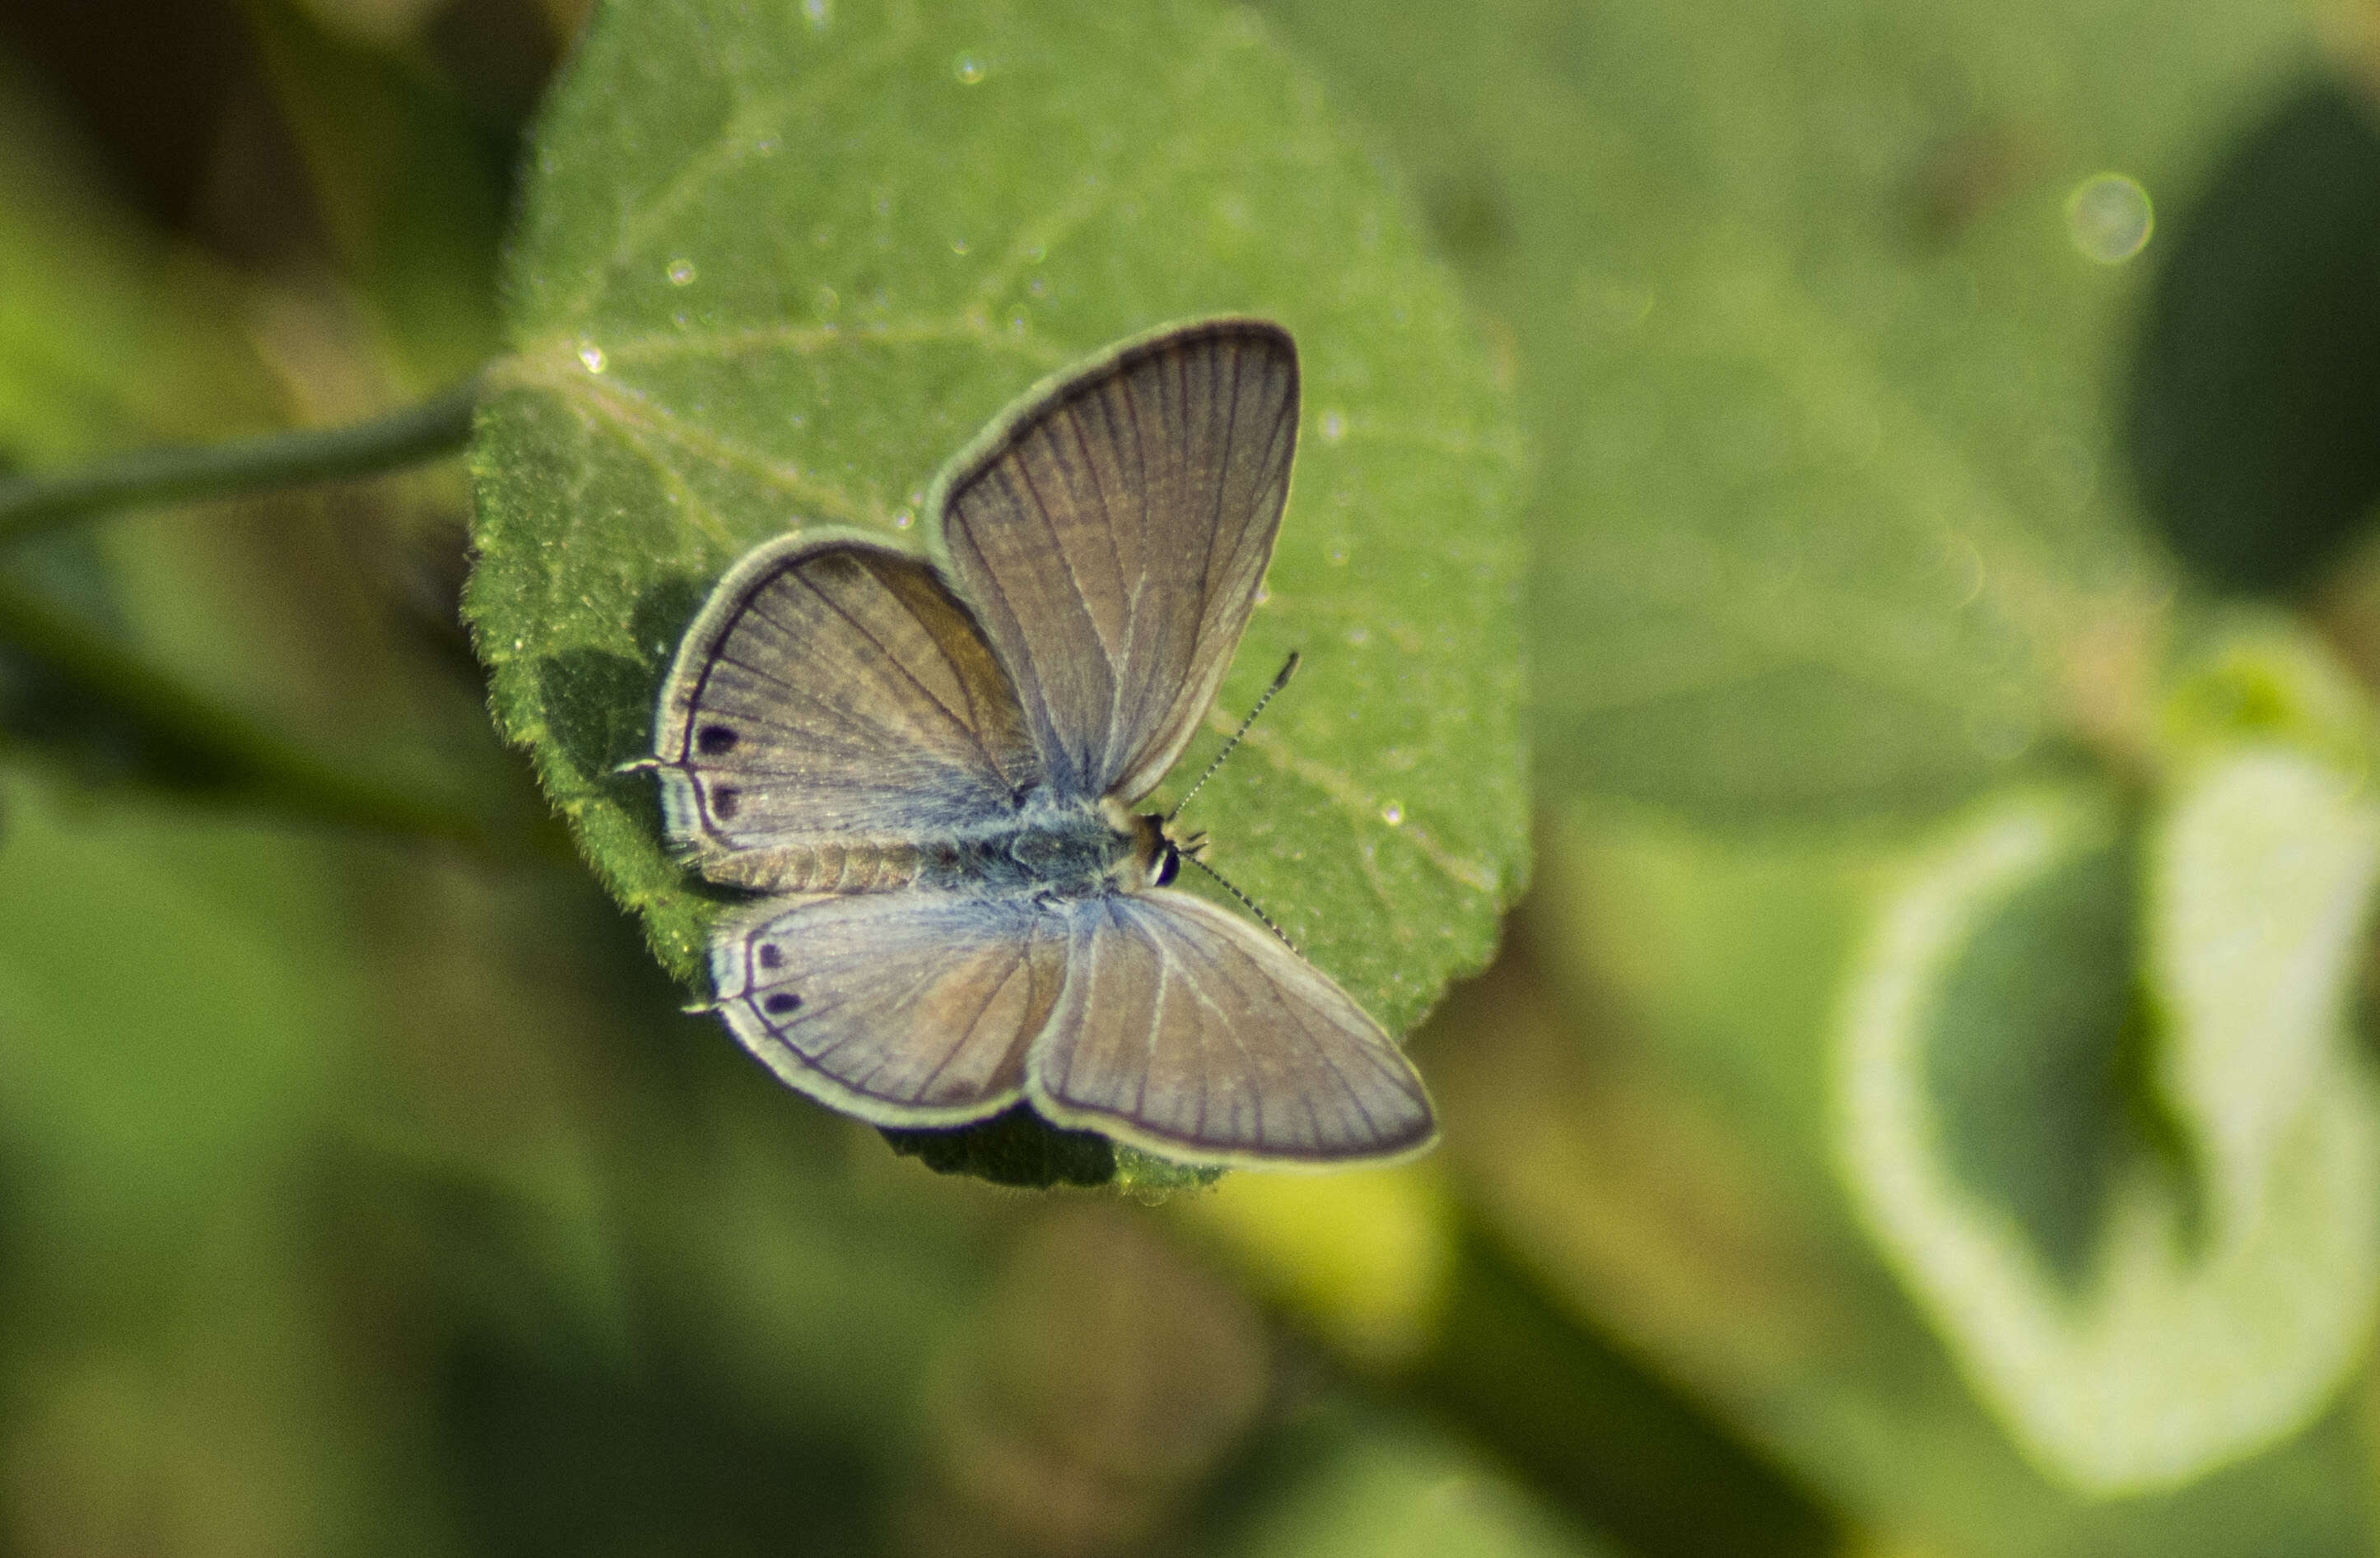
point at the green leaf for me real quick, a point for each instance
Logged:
(777, 264)
(1832, 519)
(2207, 1320)
(2259, 897)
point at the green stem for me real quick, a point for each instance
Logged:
(268, 768)
(33, 503)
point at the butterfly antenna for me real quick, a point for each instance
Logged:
(1245, 902)
(1288, 670)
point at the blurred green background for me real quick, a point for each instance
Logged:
(1922, 1107)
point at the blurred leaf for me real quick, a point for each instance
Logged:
(2259, 677)
(2029, 1031)
(1102, 1379)
(613, 1463)
(1588, 1424)
(171, 1008)
(2259, 902)
(775, 267)
(1643, 1108)
(1832, 526)
(48, 707)
(661, 1311)
(2180, 1347)
(800, 1290)
(1830, 522)
(2259, 896)
(1352, 1485)
(1392, 1272)
(109, 335)
(412, 197)
(2252, 403)
(198, 1074)
(1364, 1258)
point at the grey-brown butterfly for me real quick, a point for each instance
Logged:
(928, 763)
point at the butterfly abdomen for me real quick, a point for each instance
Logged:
(860, 867)
(1068, 853)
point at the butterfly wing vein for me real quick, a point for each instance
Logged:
(1116, 624)
(1187, 1029)
(835, 694)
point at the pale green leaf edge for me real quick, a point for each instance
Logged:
(2176, 1359)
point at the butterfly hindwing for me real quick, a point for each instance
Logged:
(1112, 536)
(904, 1008)
(1190, 1033)
(834, 694)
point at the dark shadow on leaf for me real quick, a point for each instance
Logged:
(599, 705)
(1017, 1147)
(664, 611)
(598, 710)
(1470, 213)
(2253, 426)
(2034, 1063)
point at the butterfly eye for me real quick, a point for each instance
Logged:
(1165, 867)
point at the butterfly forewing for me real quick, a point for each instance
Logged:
(1197, 1036)
(834, 695)
(1113, 537)
(910, 1009)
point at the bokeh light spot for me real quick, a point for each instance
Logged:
(2110, 217)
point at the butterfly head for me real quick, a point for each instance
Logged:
(1156, 851)
(1172, 849)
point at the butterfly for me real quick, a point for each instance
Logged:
(929, 765)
